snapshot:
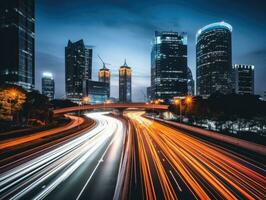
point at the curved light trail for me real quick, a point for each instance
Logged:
(175, 165)
(43, 174)
(75, 121)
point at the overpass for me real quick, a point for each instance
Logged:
(119, 106)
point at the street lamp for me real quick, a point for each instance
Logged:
(188, 100)
(85, 100)
(179, 102)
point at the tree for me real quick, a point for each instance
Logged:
(37, 107)
(12, 99)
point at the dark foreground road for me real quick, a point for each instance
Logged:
(136, 158)
(86, 167)
(176, 165)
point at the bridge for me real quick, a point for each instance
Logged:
(119, 106)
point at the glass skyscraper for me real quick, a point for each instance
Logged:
(243, 79)
(214, 59)
(190, 83)
(78, 66)
(48, 88)
(17, 35)
(125, 73)
(169, 65)
(96, 91)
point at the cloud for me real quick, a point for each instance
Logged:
(124, 29)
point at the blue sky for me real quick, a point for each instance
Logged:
(120, 29)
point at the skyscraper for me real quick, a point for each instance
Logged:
(125, 73)
(48, 88)
(78, 66)
(148, 93)
(243, 79)
(214, 59)
(17, 35)
(169, 65)
(190, 83)
(104, 76)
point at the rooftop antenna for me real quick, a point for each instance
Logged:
(125, 63)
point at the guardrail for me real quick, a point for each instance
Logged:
(257, 148)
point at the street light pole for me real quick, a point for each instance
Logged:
(180, 114)
(187, 101)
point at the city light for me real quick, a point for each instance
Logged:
(13, 92)
(181, 121)
(177, 101)
(188, 100)
(85, 99)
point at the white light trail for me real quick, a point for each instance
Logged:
(59, 163)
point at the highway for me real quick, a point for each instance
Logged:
(176, 165)
(8, 143)
(85, 167)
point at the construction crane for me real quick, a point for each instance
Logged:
(145, 96)
(104, 63)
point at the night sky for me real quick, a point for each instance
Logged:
(120, 29)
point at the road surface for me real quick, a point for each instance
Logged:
(176, 165)
(8, 143)
(86, 167)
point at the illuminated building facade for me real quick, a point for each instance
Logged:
(243, 79)
(48, 86)
(104, 75)
(78, 66)
(169, 65)
(190, 83)
(125, 73)
(96, 91)
(17, 36)
(214, 59)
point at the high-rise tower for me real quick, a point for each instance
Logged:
(243, 79)
(78, 66)
(169, 65)
(214, 59)
(48, 88)
(104, 75)
(125, 74)
(17, 36)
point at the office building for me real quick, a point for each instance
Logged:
(214, 59)
(48, 87)
(17, 36)
(243, 79)
(78, 66)
(169, 65)
(96, 91)
(190, 83)
(148, 94)
(125, 74)
(104, 75)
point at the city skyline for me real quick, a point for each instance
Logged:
(183, 120)
(134, 34)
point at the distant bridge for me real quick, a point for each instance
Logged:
(119, 106)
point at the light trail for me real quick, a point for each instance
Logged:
(186, 167)
(52, 168)
(75, 121)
